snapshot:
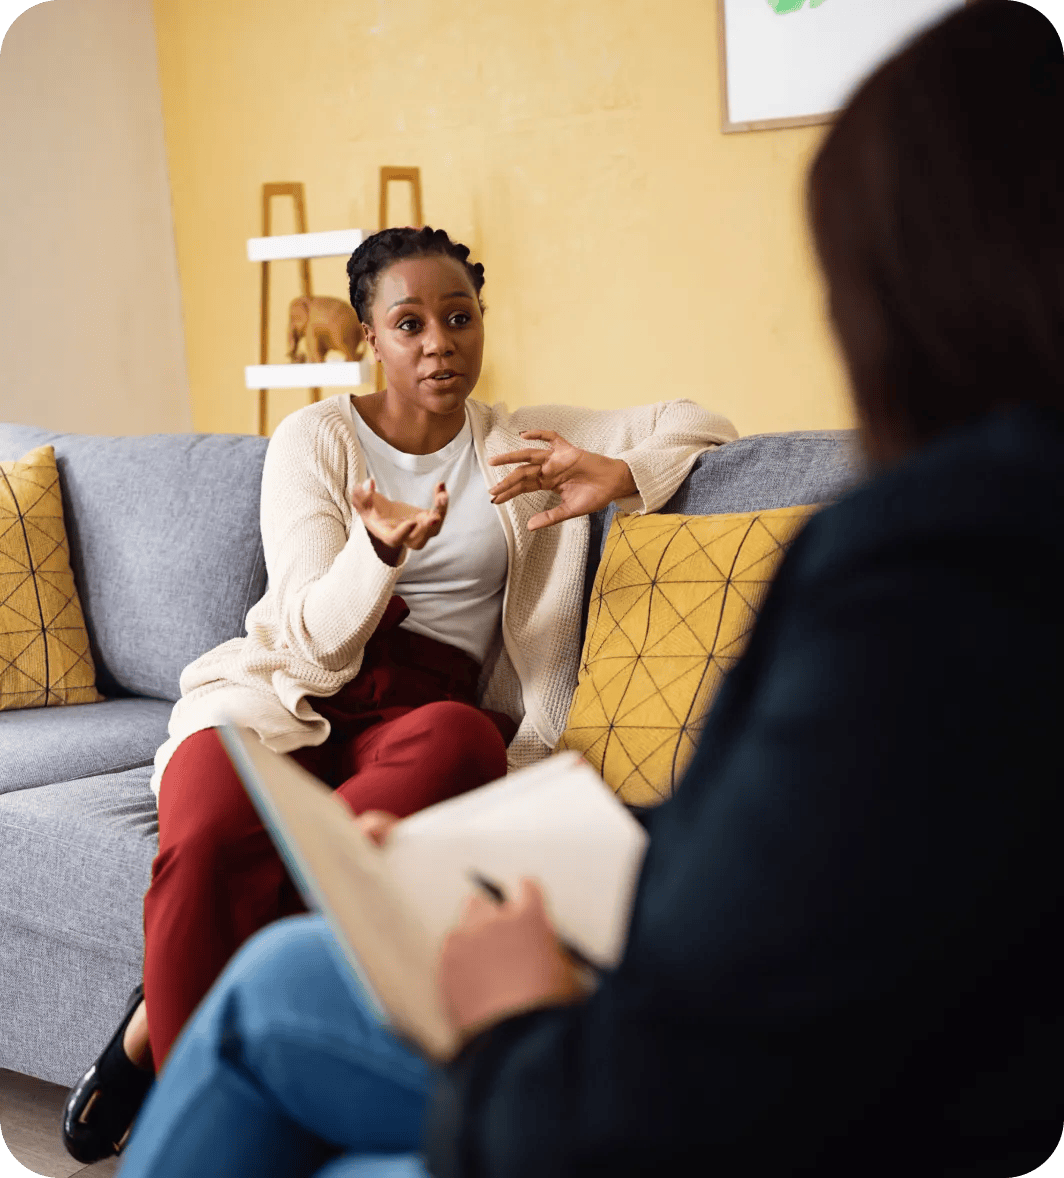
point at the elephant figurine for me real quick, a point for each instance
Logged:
(325, 324)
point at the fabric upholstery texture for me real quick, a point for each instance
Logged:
(75, 860)
(674, 601)
(164, 544)
(45, 659)
(40, 746)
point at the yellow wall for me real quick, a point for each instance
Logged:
(632, 251)
(91, 337)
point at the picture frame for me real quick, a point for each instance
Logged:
(799, 74)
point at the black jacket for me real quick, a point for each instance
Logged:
(844, 949)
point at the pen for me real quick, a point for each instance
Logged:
(499, 896)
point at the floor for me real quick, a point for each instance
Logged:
(29, 1115)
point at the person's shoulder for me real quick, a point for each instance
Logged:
(503, 426)
(1003, 461)
(314, 424)
(312, 417)
(679, 413)
(999, 476)
(495, 418)
(487, 414)
(314, 443)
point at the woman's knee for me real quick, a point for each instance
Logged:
(463, 740)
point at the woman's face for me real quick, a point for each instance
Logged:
(427, 332)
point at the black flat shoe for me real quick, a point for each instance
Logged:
(102, 1106)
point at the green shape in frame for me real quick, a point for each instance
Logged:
(781, 7)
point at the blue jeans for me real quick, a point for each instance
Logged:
(283, 1070)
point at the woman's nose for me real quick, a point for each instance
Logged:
(437, 340)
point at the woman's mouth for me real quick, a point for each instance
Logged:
(443, 376)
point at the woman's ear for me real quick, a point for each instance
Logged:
(371, 340)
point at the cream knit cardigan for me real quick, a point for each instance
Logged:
(327, 588)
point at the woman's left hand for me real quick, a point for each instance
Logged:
(501, 959)
(585, 481)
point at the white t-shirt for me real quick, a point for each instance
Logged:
(454, 585)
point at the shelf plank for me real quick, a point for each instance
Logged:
(346, 374)
(331, 244)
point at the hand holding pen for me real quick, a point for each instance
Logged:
(503, 959)
(495, 891)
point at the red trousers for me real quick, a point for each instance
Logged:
(405, 734)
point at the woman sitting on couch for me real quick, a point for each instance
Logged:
(381, 624)
(844, 957)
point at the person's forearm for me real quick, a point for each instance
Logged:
(328, 620)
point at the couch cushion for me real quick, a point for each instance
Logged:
(75, 861)
(675, 599)
(75, 858)
(165, 545)
(45, 660)
(42, 745)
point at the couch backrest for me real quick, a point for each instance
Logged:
(154, 597)
(755, 473)
(167, 552)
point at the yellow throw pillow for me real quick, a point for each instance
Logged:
(44, 646)
(673, 603)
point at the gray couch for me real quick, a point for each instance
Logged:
(165, 545)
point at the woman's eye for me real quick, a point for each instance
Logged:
(460, 319)
(407, 325)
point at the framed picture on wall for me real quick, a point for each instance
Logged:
(792, 63)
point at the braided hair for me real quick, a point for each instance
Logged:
(380, 250)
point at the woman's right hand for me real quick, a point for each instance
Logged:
(393, 526)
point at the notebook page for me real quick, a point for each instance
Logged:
(558, 823)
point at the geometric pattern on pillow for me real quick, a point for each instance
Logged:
(45, 659)
(673, 604)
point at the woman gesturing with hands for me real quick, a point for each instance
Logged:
(414, 639)
(584, 481)
(393, 526)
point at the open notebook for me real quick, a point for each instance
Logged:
(392, 906)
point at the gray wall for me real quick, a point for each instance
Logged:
(91, 338)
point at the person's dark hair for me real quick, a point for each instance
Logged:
(381, 249)
(937, 209)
